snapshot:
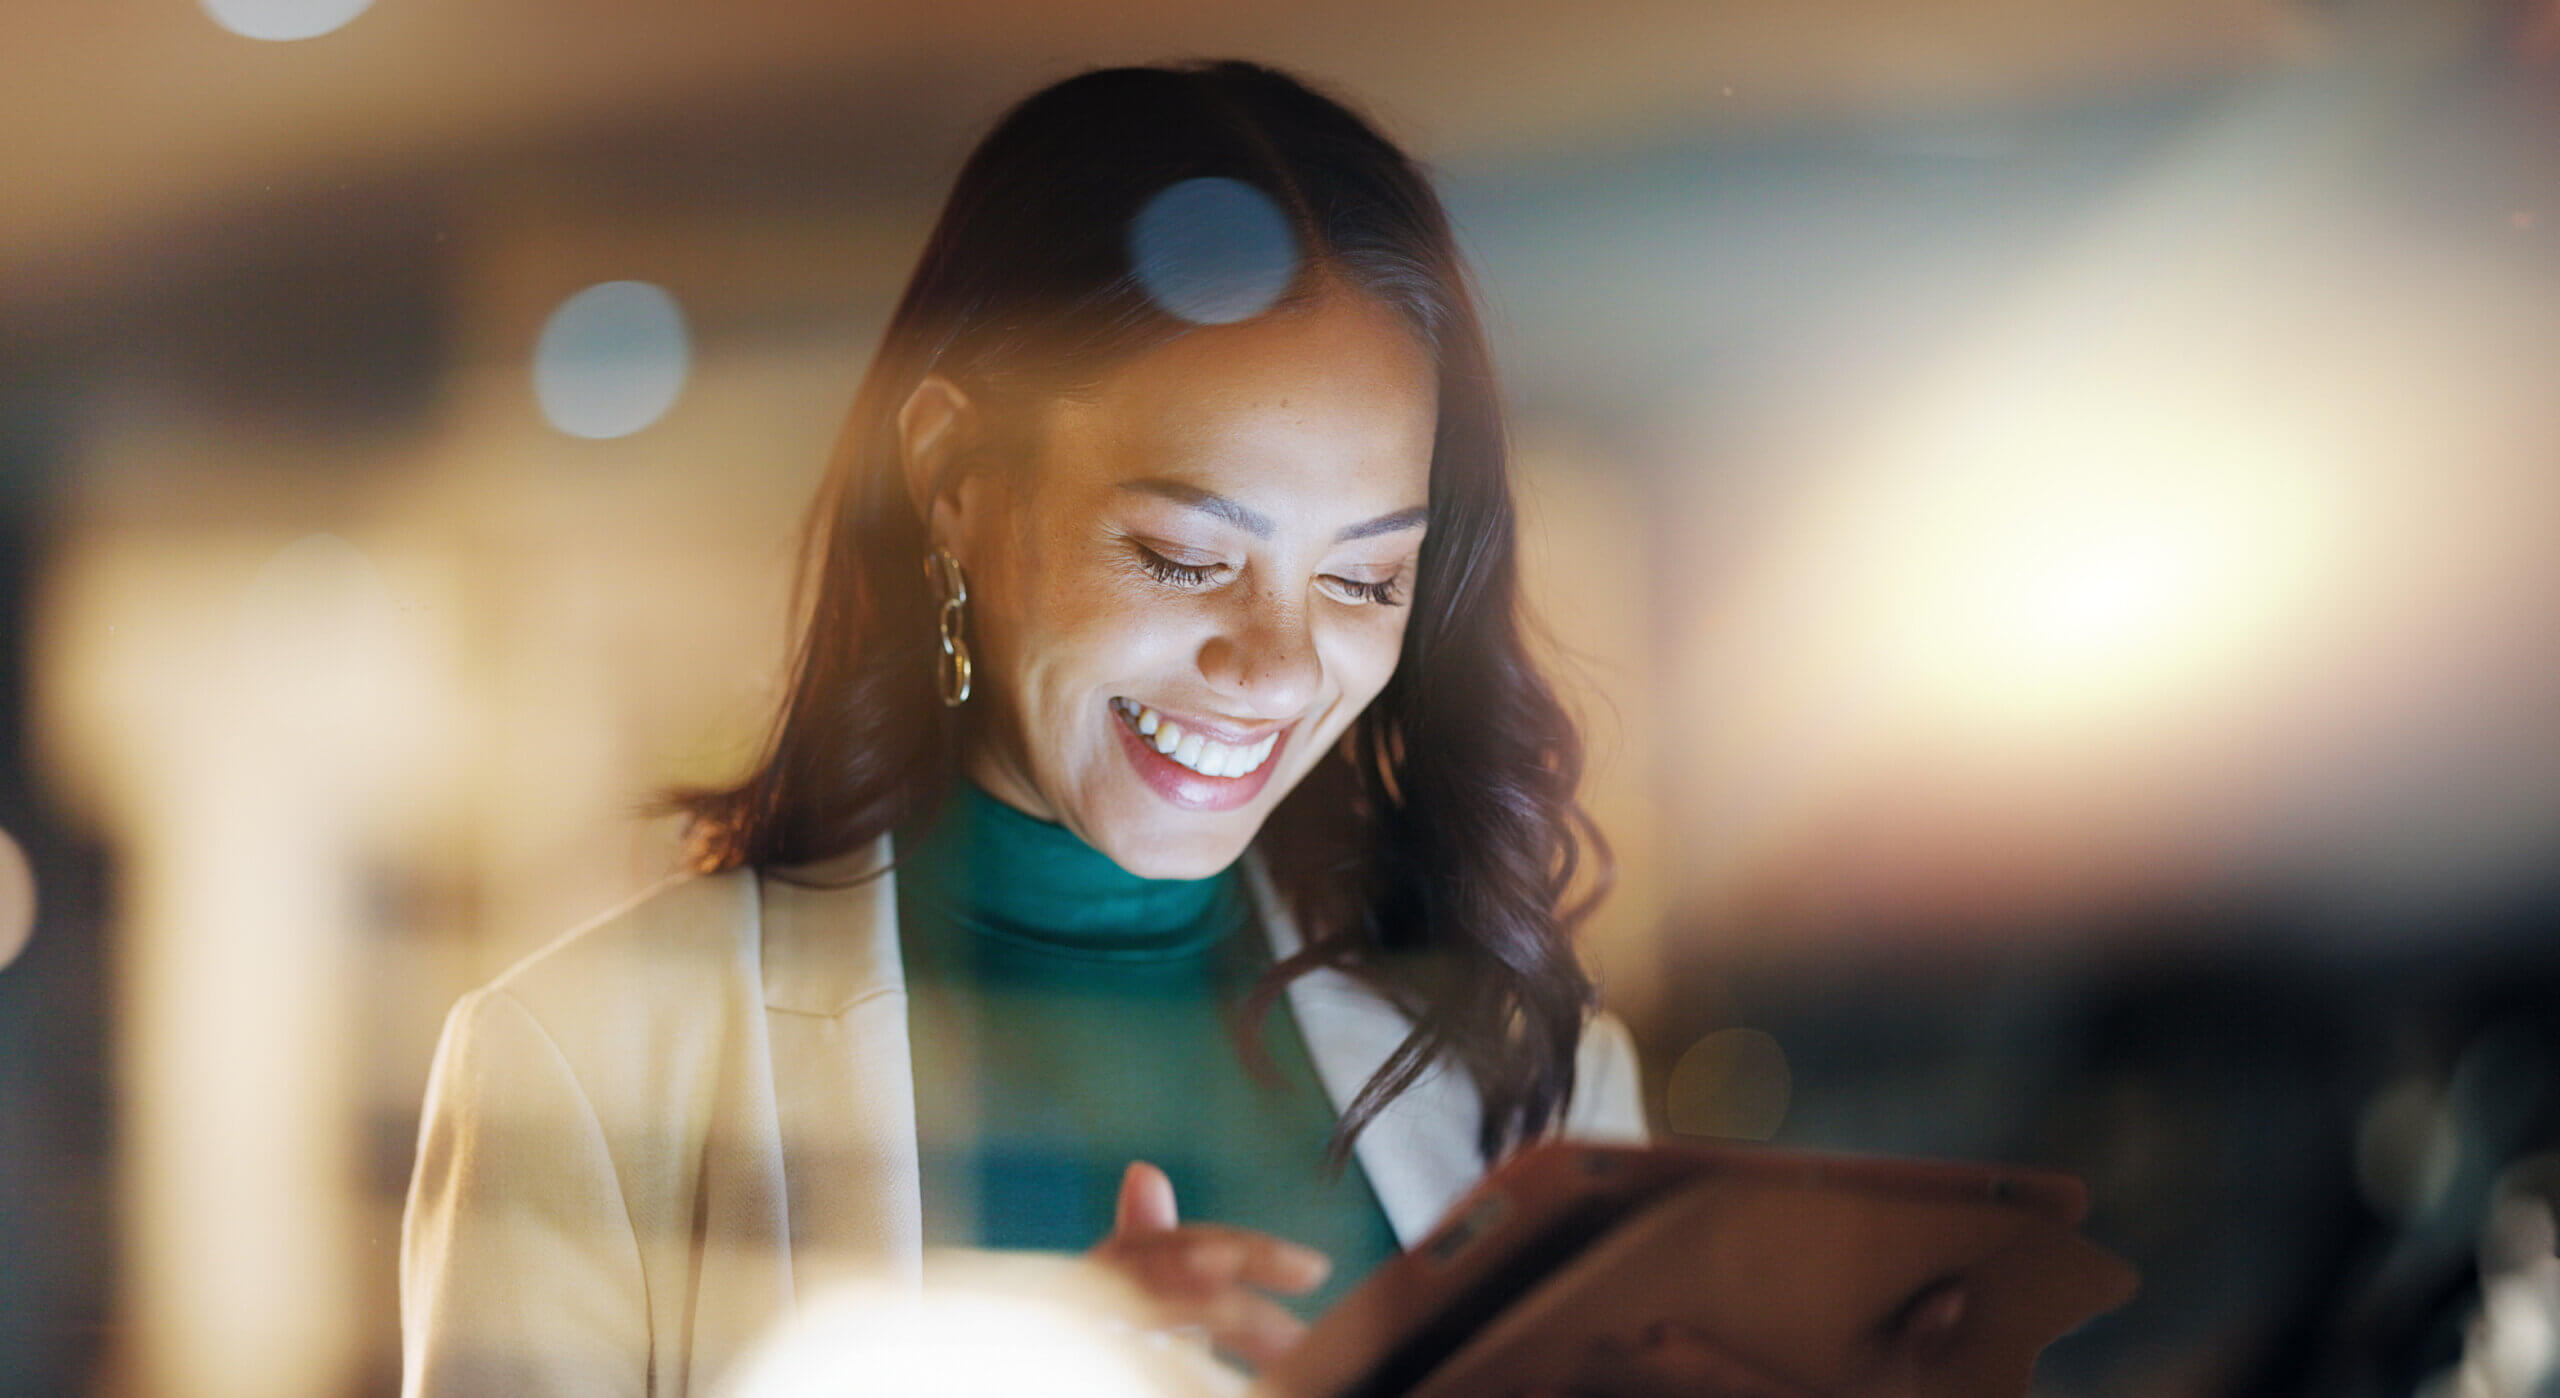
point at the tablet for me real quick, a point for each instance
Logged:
(1815, 1274)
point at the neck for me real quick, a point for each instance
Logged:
(1001, 872)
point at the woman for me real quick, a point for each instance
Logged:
(1163, 774)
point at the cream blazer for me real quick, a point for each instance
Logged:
(642, 1143)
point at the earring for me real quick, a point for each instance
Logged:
(943, 571)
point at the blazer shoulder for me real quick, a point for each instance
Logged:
(642, 1007)
(664, 947)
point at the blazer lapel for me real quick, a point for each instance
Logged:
(836, 1008)
(1420, 1152)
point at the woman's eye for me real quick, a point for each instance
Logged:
(1383, 594)
(1165, 570)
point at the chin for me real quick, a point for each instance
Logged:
(1193, 853)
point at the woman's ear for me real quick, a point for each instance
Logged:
(934, 426)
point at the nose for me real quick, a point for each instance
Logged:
(1262, 656)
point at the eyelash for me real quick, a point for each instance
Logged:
(1165, 570)
(1381, 594)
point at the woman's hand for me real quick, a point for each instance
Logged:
(1205, 1275)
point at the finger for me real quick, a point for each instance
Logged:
(1146, 1201)
(1276, 1264)
(1216, 1254)
(1253, 1328)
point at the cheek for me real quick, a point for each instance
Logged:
(1081, 635)
(1364, 656)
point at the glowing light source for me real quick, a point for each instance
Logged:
(1213, 251)
(611, 359)
(2028, 642)
(17, 900)
(284, 20)
(958, 1344)
(2085, 578)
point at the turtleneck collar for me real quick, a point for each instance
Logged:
(1000, 873)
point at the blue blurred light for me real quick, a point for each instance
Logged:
(284, 20)
(1213, 250)
(611, 359)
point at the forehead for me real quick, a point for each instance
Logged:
(1332, 405)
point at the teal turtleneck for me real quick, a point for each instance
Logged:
(1069, 1017)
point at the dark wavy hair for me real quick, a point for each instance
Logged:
(1431, 854)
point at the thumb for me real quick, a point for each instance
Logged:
(1146, 1201)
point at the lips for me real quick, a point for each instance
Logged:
(1186, 765)
(1193, 748)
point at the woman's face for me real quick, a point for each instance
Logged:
(1181, 605)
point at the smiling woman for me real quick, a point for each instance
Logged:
(1200, 581)
(1193, 813)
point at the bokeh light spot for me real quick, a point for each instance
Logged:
(1213, 250)
(611, 359)
(317, 598)
(2512, 1345)
(284, 20)
(320, 644)
(17, 900)
(937, 1345)
(1733, 1084)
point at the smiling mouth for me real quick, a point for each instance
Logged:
(1197, 751)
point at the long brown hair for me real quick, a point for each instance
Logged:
(1432, 852)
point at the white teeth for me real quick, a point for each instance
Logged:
(1196, 751)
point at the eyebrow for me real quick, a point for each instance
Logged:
(1413, 518)
(1258, 524)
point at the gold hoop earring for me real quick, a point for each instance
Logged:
(952, 675)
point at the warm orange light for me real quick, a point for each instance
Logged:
(2098, 573)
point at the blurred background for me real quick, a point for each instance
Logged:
(2053, 512)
